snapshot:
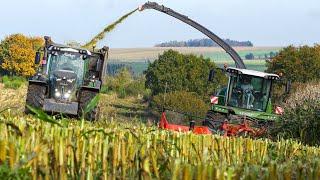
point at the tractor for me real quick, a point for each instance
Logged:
(67, 79)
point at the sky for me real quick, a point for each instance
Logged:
(264, 22)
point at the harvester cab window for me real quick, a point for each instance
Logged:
(249, 92)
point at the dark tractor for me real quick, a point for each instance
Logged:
(67, 79)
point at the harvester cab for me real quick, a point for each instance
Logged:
(67, 79)
(246, 98)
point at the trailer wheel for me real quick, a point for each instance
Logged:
(214, 121)
(85, 97)
(35, 96)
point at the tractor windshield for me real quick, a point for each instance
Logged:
(67, 61)
(249, 92)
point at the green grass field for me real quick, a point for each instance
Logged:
(138, 58)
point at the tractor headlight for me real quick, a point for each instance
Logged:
(57, 94)
(66, 95)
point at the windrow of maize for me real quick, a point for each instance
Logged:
(110, 150)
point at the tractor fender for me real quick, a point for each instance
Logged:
(37, 82)
(88, 88)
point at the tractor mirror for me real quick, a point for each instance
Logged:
(37, 58)
(211, 75)
(288, 87)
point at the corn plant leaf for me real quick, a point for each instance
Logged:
(43, 116)
(92, 104)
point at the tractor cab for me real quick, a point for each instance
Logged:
(66, 69)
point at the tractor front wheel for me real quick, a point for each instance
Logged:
(35, 96)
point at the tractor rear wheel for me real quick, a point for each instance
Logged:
(85, 98)
(35, 96)
(214, 121)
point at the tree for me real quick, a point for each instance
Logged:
(249, 56)
(298, 64)
(17, 54)
(173, 71)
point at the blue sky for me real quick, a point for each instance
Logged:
(264, 22)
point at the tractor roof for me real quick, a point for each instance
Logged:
(50, 43)
(252, 73)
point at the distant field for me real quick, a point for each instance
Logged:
(138, 58)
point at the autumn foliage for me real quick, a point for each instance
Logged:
(17, 54)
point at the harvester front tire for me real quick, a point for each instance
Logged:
(85, 98)
(35, 97)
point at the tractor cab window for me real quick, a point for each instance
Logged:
(67, 61)
(249, 92)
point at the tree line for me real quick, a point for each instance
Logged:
(251, 56)
(204, 42)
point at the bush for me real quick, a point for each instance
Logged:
(182, 101)
(13, 82)
(125, 85)
(173, 71)
(137, 88)
(301, 120)
(249, 56)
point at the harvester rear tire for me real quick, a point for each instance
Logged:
(85, 98)
(214, 121)
(35, 96)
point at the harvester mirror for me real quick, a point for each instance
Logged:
(288, 87)
(84, 57)
(37, 58)
(211, 75)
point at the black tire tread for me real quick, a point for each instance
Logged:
(213, 121)
(35, 96)
(85, 96)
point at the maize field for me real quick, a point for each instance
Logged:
(111, 150)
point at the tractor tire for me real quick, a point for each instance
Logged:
(85, 97)
(214, 121)
(35, 97)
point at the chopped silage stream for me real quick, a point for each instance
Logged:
(107, 29)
